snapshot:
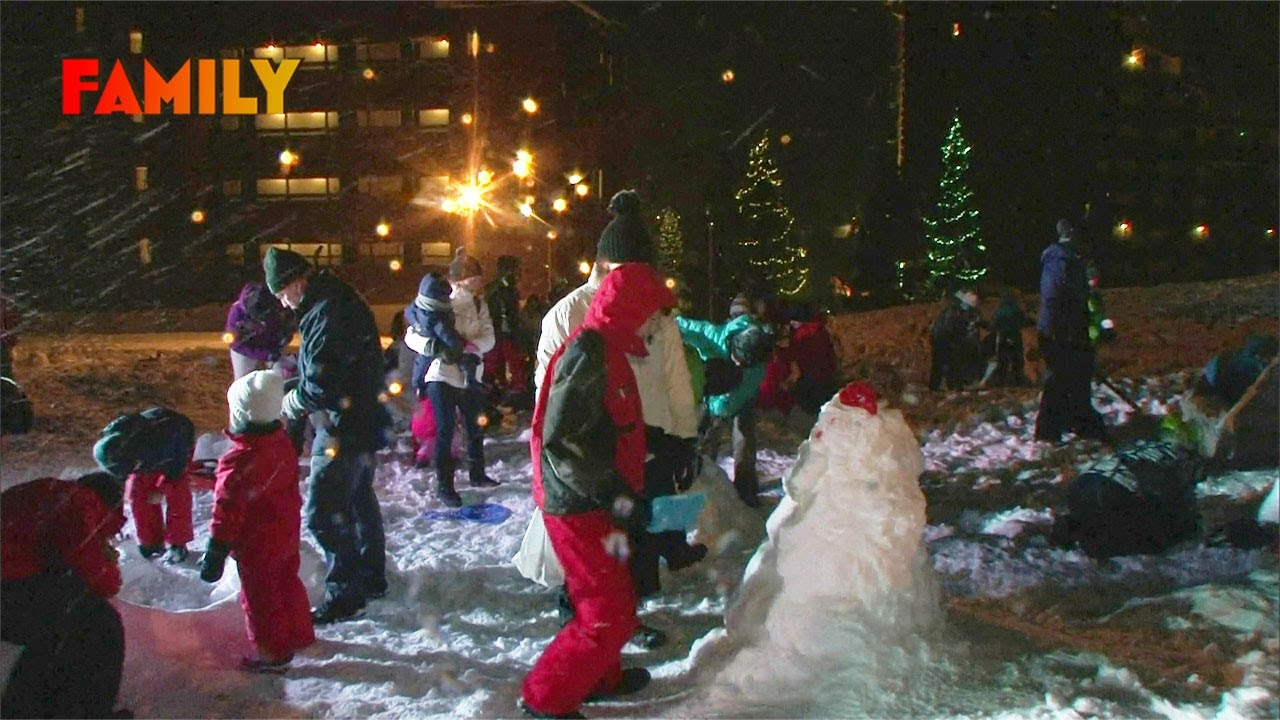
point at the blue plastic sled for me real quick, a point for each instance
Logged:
(484, 513)
(676, 512)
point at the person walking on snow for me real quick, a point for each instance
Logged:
(455, 388)
(339, 379)
(58, 570)
(589, 447)
(260, 329)
(152, 451)
(431, 317)
(257, 519)
(1066, 403)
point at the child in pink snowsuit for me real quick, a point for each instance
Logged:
(257, 512)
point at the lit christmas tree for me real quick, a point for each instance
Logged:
(769, 247)
(670, 245)
(956, 251)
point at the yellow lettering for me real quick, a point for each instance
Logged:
(275, 81)
(232, 103)
(208, 71)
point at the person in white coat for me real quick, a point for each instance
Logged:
(670, 411)
(455, 388)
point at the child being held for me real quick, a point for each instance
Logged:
(257, 519)
(431, 316)
(152, 449)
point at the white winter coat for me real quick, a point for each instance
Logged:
(471, 319)
(666, 390)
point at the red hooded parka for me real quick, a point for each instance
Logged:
(51, 525)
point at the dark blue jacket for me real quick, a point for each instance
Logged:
(1064, 295)
(431, 316)
(340, 363)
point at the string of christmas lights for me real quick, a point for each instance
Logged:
(769, 246)
(956, 250)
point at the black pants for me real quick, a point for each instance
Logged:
(74, 648)
(1066, 404)
(648, 548)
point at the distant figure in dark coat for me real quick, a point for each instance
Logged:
(1005, 368)
(955, 350)
(59, 568)
(1066, 403)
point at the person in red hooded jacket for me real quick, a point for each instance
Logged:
(588, 449)
(57, 569)
(257, 517)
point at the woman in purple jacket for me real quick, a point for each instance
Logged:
(259, 329)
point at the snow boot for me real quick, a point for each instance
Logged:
(535, 714)
(336, 611)
(149, 552)
(444, 486)
(261, 665)
(649, 638)
(480, 480)
(176, 555)
(691, 555)
(633, 681)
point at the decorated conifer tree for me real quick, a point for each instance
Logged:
(770, 248)
(670, 245)
(955, 248)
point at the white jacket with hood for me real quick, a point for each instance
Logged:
(471, 319)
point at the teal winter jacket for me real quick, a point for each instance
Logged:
(711, 340)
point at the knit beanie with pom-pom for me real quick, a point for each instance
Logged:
(625, 238)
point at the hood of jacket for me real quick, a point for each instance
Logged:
(627, 297)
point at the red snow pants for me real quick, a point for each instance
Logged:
(423, 426)
(506, 358)
(585, 658)
(277, 613)
(156, 526)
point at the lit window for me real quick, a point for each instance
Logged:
(79, 19)
(435, 117)
(377, 51)
(235, 253)
(437, 252)
(379, 250)
(433, 48)
(381, 185)
(319, 253)
(144, 251)
(298, 187)
(140, 178)
(135, 42)
(433, 183)
(378, 118)
(317, 121)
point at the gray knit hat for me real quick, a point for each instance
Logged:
(625, 238)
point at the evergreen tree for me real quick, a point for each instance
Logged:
(670, 245)
(955, 247)
(770, 248)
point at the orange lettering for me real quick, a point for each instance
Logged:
(73, 84)
(232, 103)
(176, 90)
(208, 90)
(118, 95)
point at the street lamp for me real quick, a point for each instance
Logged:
(582, 189)
(526, 209)
(483, 177)
(575, 177)
(383, 229)
(530, 105)
(560, 205)
(197, 216)
(520, 168)
(584, 267)
(395, 266)
(288, 158)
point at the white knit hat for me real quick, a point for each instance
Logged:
(255, 398)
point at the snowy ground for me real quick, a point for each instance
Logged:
(1025, 629)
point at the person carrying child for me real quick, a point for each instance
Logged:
(588, 448)
(454, 387)
(430, 316)
(257, 518)
(152, 449)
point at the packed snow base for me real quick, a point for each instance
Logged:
(865, 637)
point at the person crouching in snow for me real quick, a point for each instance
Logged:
(152, 449)
(59, 568)
(257, 517)
(588, 449)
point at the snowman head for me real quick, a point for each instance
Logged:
(860, 394)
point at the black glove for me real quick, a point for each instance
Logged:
(686, 464)
(468, 364)
(632, 513)
(214, 560)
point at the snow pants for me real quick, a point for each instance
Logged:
(1066, 403)
(277, 612)
(507, 366)
(343, 515)
(585, 658)
(73, 652)
(424, 428)
(154, 525)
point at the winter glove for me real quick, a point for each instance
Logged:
(292, 407)
(632, 513)
(686, 464)
(214, 561)
(468, 364)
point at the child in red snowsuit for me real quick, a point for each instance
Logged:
(59, 568)
(153, 450)
(257, 511)
(588, 447)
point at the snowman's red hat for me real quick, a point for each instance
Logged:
(860, 394)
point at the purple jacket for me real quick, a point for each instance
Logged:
(261, 326)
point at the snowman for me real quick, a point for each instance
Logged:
(841, 589)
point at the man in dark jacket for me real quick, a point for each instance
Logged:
(506, 365)
(1066, 403)
(340, 378)
(955, 352)
(59, 569)
(589, 448)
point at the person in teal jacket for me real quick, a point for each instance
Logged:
(746, 342)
